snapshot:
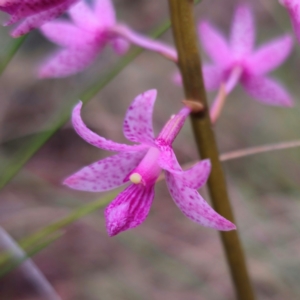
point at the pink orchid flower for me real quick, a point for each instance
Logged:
(35, 12)
(293, 7)
(141, 165)
(236, 61)
(83, 38)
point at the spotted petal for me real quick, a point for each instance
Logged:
(214, 44)
(83, 16)
(65, 34)
(267, 91)
(22, 9)
(105, 12)
(293, 8)
(196, 176)
(39, 19)
(68, 61)
(137, 125)
(105, 174)
(242, 32)
(194, 206)
(167, 160)
(95, 139)
(270, 55)
(129, 209)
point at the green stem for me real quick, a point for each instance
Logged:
(190, 66)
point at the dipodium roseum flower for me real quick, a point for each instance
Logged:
(293, 7)
(86, 34)
(236, 61)
(141, 165)
(35, 12)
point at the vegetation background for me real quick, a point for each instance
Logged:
(168, 257)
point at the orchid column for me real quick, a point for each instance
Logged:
(184, 32)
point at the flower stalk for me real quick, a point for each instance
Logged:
(190, 66)
(144, 42)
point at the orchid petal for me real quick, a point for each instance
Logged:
(242, 32)
(39, 19)
(167, 160)
(196, 176)
(270, 55)
(104, 10)
(105, 174)
(65, 34)
(212, 76)
(129, 209)
(83, 16)
(214, 44)
(296, 23)
(120, 45)
(267, 91)
(10, 9)
(194, 206)
(294, 11)
(137, 125)
(94, 139)
(23, 9)
(68, 61)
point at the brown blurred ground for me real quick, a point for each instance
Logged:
(168, 257)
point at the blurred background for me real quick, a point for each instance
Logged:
(168, 256)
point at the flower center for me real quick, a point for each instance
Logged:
(135, 178)
(148, 169)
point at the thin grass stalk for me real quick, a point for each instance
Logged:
(8, 263)
(184, 32)
(29, 268)
(13, 50)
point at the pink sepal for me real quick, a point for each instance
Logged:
(95, 139)
(105, 174)
(196, 176)
(267, 91)
(137, 125)
(242, 32)
(194, 206)
(214, 44)
(269, 56)
(38, 19)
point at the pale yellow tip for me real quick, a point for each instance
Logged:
(135, 178)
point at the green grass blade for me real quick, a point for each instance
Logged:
(75, 215)
(14, 49)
